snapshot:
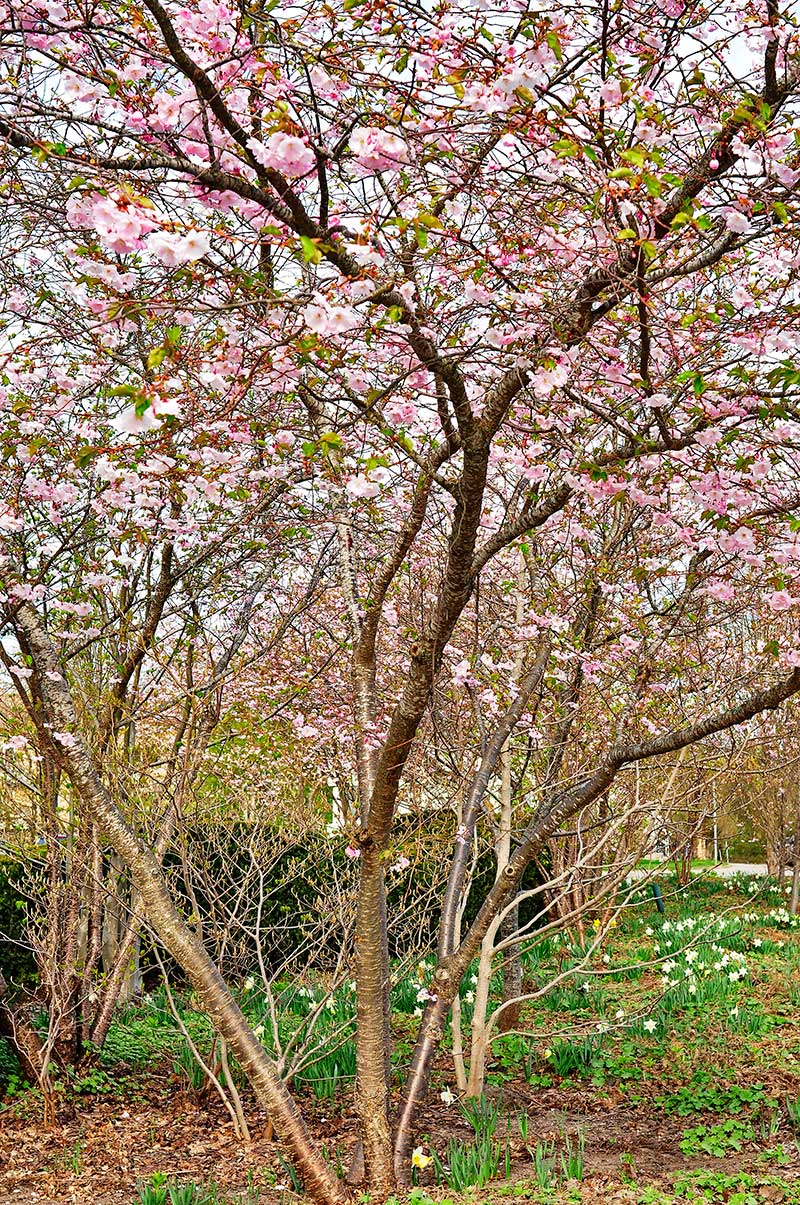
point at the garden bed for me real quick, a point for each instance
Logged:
(644, 1083)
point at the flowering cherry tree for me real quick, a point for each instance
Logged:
(458, 285)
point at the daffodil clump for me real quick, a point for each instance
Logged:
(781, 918)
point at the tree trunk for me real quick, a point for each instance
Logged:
(94, 933)
(459, 1067)
(512, 963)
(373, 1038)
(113, 987)
(128, 941)
(481, 1032)
(512, 974)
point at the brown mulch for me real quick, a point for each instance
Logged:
(100, 1154)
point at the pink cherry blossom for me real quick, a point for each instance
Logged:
(10, 522)
(325, 319)
(176, 249)
(119, 223)
(132, 423)
(27, 591)
(741, 540)
(402, 413)
(736, 221)
(325, 86)
(378, 150)
(721, 591)
(283, 153)
(780, 600)
(67, 739)
(360, 486)
(157, 465)
(611, 92)
(303, 728)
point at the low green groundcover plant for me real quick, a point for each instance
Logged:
(705, 1096)
(717, 1140)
